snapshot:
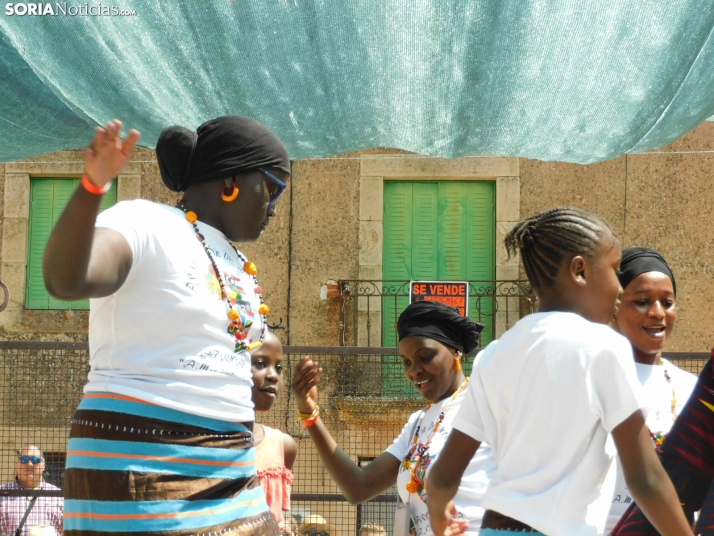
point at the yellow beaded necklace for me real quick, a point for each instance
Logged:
(416, 483)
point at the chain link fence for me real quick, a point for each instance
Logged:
(364, 397)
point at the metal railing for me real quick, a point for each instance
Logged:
(369, 309)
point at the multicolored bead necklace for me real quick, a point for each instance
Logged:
(416, 484)
(239, 325)
(658, 438)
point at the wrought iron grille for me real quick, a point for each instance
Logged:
(364, 407)
(369, 309)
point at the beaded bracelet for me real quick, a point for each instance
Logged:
(311, 422)
(310, 416)
(93, 188)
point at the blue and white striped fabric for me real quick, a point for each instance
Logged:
(134, 467)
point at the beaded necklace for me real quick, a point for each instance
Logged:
(658, 438)
(240, 322)
(416, 484)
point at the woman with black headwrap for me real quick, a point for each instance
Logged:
(161, 442)
(646, 315)
(432, 340)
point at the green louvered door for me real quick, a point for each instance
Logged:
(48, 198)
(436, 231)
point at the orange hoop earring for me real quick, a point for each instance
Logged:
(457, 363)
(231, 196)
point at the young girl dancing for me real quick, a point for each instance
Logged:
(548, 393)
(275, 451)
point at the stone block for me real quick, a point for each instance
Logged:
(370, 242)
(502, 229)
(508, 199)
(423, 166)
(370, 272)
(13, 275)
(128, 187)
(14, 240)
(507, 273)
(371, 199)
(17, 195)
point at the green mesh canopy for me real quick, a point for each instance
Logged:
(577, 81)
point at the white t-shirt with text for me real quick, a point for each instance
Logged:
(163, 336)
(546, 396)
(475, 479)
(658, 393)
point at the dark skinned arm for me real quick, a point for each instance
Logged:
(646, 478)
(81, 261)
(357, 484)
(443, 483)
(290, 450)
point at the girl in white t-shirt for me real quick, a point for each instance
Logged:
(646, 315)
(549, 392)
(432, 339)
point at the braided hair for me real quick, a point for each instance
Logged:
(547, 238)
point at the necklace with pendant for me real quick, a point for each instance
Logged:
(416, 483)
(659, 437)
(240, 322)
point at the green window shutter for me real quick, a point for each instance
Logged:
(40, 227)
(451, 261)
(480, 251)
(425, 231)
(48, 199)
(435, 231)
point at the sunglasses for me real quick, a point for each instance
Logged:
(27, 459)
(314, 532)
(274, 196)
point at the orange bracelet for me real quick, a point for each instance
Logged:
(311, 422)
(93, 188)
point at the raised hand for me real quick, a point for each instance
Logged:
(304, 384)
(107, 155)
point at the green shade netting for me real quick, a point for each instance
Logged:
(577, 81)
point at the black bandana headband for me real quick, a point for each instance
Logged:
(439, 322)
(220, 148)
(637, 261)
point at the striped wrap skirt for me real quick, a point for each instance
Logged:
(134, 467)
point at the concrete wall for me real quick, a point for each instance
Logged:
(328, 225)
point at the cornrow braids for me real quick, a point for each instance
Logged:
(547, 238)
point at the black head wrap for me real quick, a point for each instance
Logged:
(636, 261)
(220, 148)
(440, 322)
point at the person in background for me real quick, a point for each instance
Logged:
(646, 314)
(275, 451)
(372, 529)
(290, 526)
(316, 525)
(48, 511)
(433, 338)
(687, 455)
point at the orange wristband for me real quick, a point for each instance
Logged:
(92, 188)
(311, 422)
